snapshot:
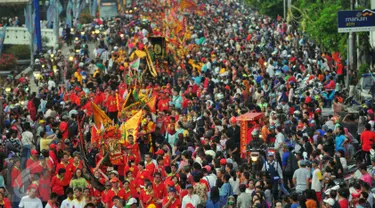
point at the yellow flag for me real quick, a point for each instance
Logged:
(100, 117)
(130, 127)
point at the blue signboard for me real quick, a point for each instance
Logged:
(356, 21)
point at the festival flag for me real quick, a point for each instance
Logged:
(2, 37)
(100, 117)
(82, 144)
(138, 53)
(130, 100)
(151, 103)
(130, 127)
(135, 64)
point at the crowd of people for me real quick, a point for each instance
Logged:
(237, 61)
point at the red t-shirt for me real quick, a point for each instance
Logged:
(44, 188)
(150, 167)
(163, 104)
(57, 185)
(111, 103)
(16, 177)
(144, 197)
(160, 190)
(344, 203)
(367, 139)
(111, 193)
(175, 204)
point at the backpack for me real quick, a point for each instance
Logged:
(291, 165)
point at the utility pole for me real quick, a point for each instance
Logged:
(30, 17)
(351, 66)
(56, 22)
(284, 6)
(37, 26)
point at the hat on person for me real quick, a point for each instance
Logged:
(233, 119)
(52, 146)
(172, 189)
(302, 163)
(189, 205)
(189, 186)
(223, 161)
(270, 154)
(131, 202)
(208, 168)
(114, 172)
(41, 121)
(114, 180)
(329, 201)
(159, 152)
(34, 152)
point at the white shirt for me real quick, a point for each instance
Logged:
(27, 202)
(193, 199)
(211, 179)
(235, 186)
(79, 204)
(67, 203)
(316, 178)
(279, 141)
(51, 84)
(27, 138)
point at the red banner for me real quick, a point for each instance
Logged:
(243, 138)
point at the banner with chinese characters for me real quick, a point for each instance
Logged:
(243, 138)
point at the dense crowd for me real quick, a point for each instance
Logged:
(190, 156)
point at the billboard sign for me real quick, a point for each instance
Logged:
(356, 21)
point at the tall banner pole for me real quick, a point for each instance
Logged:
(37, 26)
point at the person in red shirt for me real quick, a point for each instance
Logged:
(163, 103)
(129, 193)
(147, 196)
(16, 177)
(367, 139)
(150, 166)
(104, 196)
(4, 202)
(330, 84)
(57, 184)
(63, 128)
(132, 149)
(111, 104)
(64, 164)
(160, 168)
(116, 190)
(44, 188)
(160, 190)
(52, 202)
(171, 201)
(142, 175)
(32, 161)
(76, 163)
